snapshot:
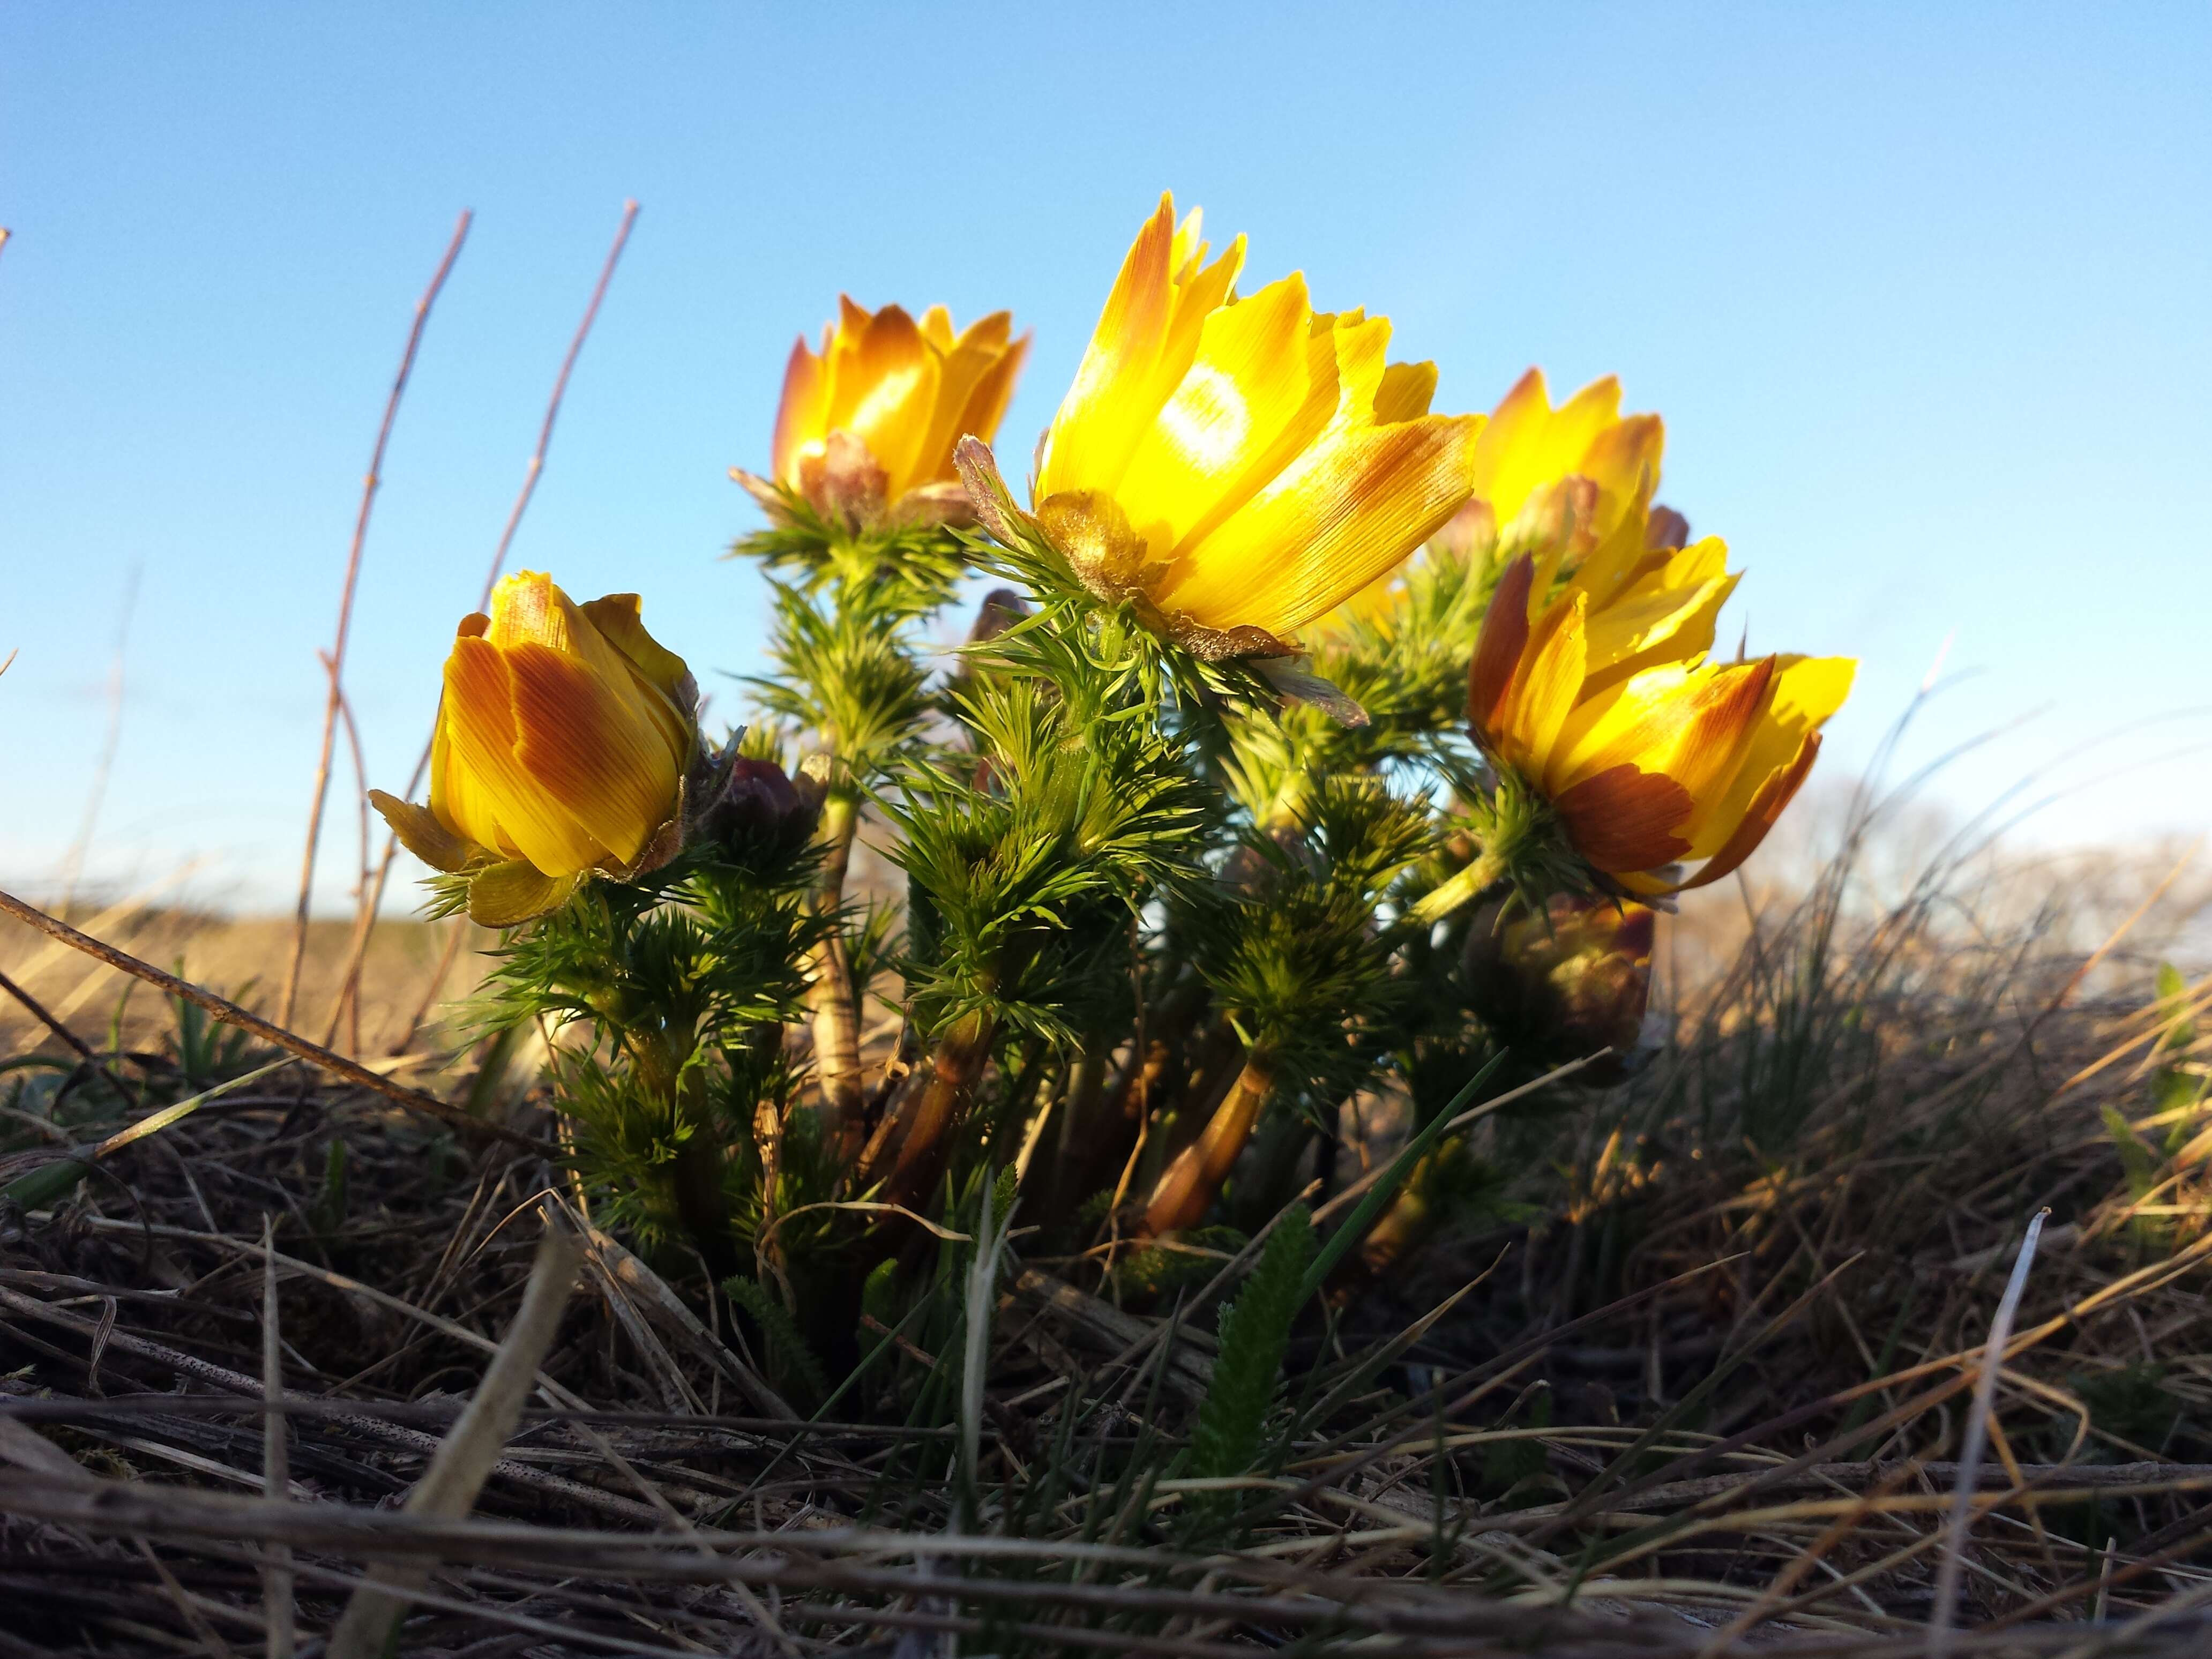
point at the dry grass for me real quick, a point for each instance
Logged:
(1698, 1385)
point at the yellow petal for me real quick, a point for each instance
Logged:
(1697, 734)
(507, 895)
(1347, 510)
(1775, 789)
(978, 355)
(1405, 393)
(1544, 687)
(1654, 622)
(592, 746)
(1245, 409)
(421, 832)
(884, 391)
(800, 418)
(1145, 338)
(619, 619)
(1529, 443)
(1807, 691)
(480, 720)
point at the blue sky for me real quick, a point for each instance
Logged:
(1924, 295)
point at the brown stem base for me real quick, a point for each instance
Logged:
(1189, 1186)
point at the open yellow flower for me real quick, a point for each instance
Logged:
(1603, 702)
(1237, 466)
(561, 746)
(867, 424)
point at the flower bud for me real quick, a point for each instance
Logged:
(560, 745)
(750, 808)
(1563, 984)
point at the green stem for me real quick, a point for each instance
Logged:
(1485, 872)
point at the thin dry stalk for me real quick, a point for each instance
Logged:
(104, 767)
(348, 999)
(335, 661)
(466, 1457)
(1979, 1423)
(372, 896)
(276, 1600)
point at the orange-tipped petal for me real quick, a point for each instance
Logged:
(1807, 691)
(1093, 432)
(801, 417)
(1775, 790)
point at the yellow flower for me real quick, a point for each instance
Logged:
(561, 746)
(1237, 466)
(867, 427)
(1603, 702)
(1566, 483)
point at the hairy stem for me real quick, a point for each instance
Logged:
(1187, 1188)
(831, 995)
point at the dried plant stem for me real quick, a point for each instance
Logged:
(1188, 1188)
(348, 1000)
(455, 932)
(104, 768)
(231, 1014)
(464, 1459)
(38, 1011)
(371, 900)
(1970, 1455)
(275, 1453)
(335, 660)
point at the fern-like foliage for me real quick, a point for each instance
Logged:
(1255, 1334)
(792, 1364)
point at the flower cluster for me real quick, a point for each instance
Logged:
(1318, 745)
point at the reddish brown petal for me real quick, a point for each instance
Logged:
(1498, 653)
(1625, 818)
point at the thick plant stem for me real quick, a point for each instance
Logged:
(908, 1150)
(831, 995)
(695, 1172)
(1187, 1188)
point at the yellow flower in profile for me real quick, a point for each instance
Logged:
(1237, 466)
(866, 428)
(1602, 702)
(561, 742)
(1564, 484)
